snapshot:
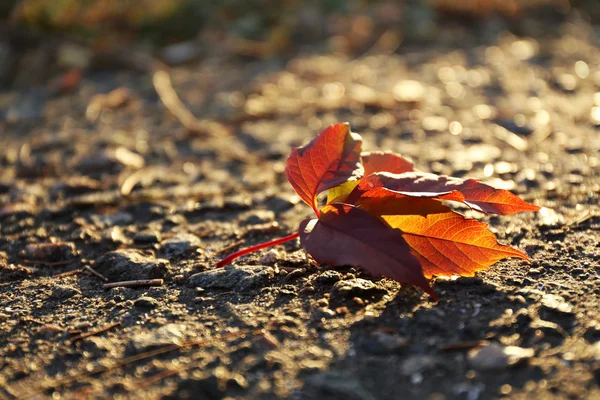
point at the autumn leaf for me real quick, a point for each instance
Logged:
(388, 219)
(330, 159)
(380, 161)
(346, 235)
(446, 243)
(476, 195)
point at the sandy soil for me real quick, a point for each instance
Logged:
(515, 112)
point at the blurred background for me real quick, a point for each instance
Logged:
(42, 38)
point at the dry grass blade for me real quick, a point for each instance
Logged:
(96, 273)
(95, 332)
(168, 96)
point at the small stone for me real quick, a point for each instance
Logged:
(328, 277)
(63, 292)
(126, 264)
(146, 302)
(180, 244)
(164, 336)
(270, 257)
(357, 287)
(233, 277)
(496, 356)
(146, 237)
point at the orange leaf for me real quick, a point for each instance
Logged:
(446, 243)
(330, 159)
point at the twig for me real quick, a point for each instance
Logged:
(95, 332)
(47, 263)
(162, 375)
(138, 283)
(68, 273)
(226, 249)
(168, 96)
(94, 272)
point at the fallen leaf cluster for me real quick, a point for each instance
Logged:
(387, 218)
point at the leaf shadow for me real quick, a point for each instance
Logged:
(420, 348)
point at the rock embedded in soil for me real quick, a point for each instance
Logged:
(328, 277)
(180, 244)
(146, 302)
(233, 277)
(356, 287)
(63, 292)
(127, 264)
(164, 336)
(496, 357)
(146, 237)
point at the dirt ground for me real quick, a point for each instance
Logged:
(125, 190)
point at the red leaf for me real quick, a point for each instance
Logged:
(446, 243)
(477, 195)
(346, 235)
(330, 159)
(379, 161)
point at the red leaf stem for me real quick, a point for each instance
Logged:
(254, 248)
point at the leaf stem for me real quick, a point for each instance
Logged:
(256, 247)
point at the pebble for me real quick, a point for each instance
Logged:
(357, 287)
(146, 302)
(496, 356)
(180, 244)
(270, 257)
(164, 336)
(127, 264)
(146, 237)
(62, 292)
(328, 277)
(233, 277)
